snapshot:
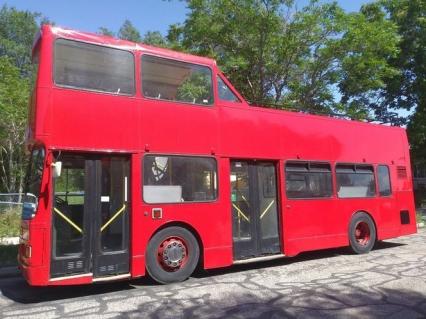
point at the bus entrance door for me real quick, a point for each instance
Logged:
(254, 209)
(90, 224)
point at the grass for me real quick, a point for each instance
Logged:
(10, 222)
(8, 255)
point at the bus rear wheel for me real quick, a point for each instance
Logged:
(172, 255)
(362, 233)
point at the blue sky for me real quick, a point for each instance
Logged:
(146, 15)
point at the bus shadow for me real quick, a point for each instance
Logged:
(17, 290)
(305, 256)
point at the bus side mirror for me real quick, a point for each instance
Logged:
(57, 168)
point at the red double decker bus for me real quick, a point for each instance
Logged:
(148, 161)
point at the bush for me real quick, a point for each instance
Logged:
(10, 222)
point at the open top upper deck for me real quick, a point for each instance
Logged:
(98, 93)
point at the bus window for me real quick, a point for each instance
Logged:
(174, 179)
(384, 180)
(94, 67)
(308, 180)
(355, 181)
(35, 172)
(171, 80)
(225, 92)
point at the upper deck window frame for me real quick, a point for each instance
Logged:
(210, 105)
(226, 83)
(78, 88)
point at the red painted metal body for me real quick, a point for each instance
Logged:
(77, 120)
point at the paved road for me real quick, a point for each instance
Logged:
(390, 282)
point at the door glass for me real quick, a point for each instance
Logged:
(68, 211)
(240, 196)
(114, 191)
(267, 201)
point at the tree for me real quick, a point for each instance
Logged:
(106, 31)
(17, 31)
(129, 32)
(317, 58)
(155, 38)
(14, 92)
(407, 89)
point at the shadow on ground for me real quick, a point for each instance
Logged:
(19, 291)
(329, 303)
(312, 255)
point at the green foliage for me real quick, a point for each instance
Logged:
(129, 32)
(365, 64)
(10, 222)
(369, 41)
(106, 31)
(154, 38)
(17, 31)
(317, 58)
(408, 89)
(14, 93)
(417, 135)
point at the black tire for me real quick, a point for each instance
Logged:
(362, 233)
(158, 269)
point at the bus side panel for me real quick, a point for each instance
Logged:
(406, 206)
(178, 128)
(325, 224)
(218, 251)
(245, 134)
(210, 221)
(116, 120)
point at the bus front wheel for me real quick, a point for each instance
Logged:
(172, 255)
(362, 233)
